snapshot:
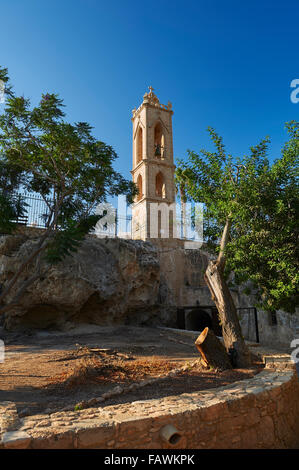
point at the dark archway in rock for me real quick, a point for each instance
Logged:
(198, 319)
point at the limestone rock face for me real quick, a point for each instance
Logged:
(116, 281)
(108, 281)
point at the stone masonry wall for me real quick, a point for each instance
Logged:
(259, 413)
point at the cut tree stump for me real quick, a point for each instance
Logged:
(213, 353)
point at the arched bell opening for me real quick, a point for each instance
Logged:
(159, 141)
(139, 187)
(160, 186)
(139, 145)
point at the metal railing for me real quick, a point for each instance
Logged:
(252, 329)
(37, 211)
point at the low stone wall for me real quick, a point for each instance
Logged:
(262, 412)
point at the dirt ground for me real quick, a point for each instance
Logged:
(51, 370)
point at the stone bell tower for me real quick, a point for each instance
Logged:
(153, 168)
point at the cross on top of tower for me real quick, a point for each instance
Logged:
(150, 97)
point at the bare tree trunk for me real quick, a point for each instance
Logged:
(231, 330)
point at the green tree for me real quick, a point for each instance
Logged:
(70, 169)
(265, 248)
(250, 209)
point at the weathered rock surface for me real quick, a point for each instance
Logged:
(108, 281)
(116, 281)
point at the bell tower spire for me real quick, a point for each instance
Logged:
(153, 167)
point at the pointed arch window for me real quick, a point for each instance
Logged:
(139, 145)
(159, 141)
(139, 186)
(160, 186)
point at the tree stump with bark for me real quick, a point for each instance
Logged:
(231, 329)
(213, 353)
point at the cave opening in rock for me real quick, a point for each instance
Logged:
(197, 320)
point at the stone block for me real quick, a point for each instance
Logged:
(266, 434)
(249, 439)
(95, 438)
(214, 412)
(55, 441)
(137, 425)
(252, 417)
(16, 440)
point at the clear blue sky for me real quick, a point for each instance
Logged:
(226, 64)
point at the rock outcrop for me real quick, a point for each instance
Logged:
(108, 281)
(116, 281)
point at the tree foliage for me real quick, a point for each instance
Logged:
(64, 163)
(261, 201)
